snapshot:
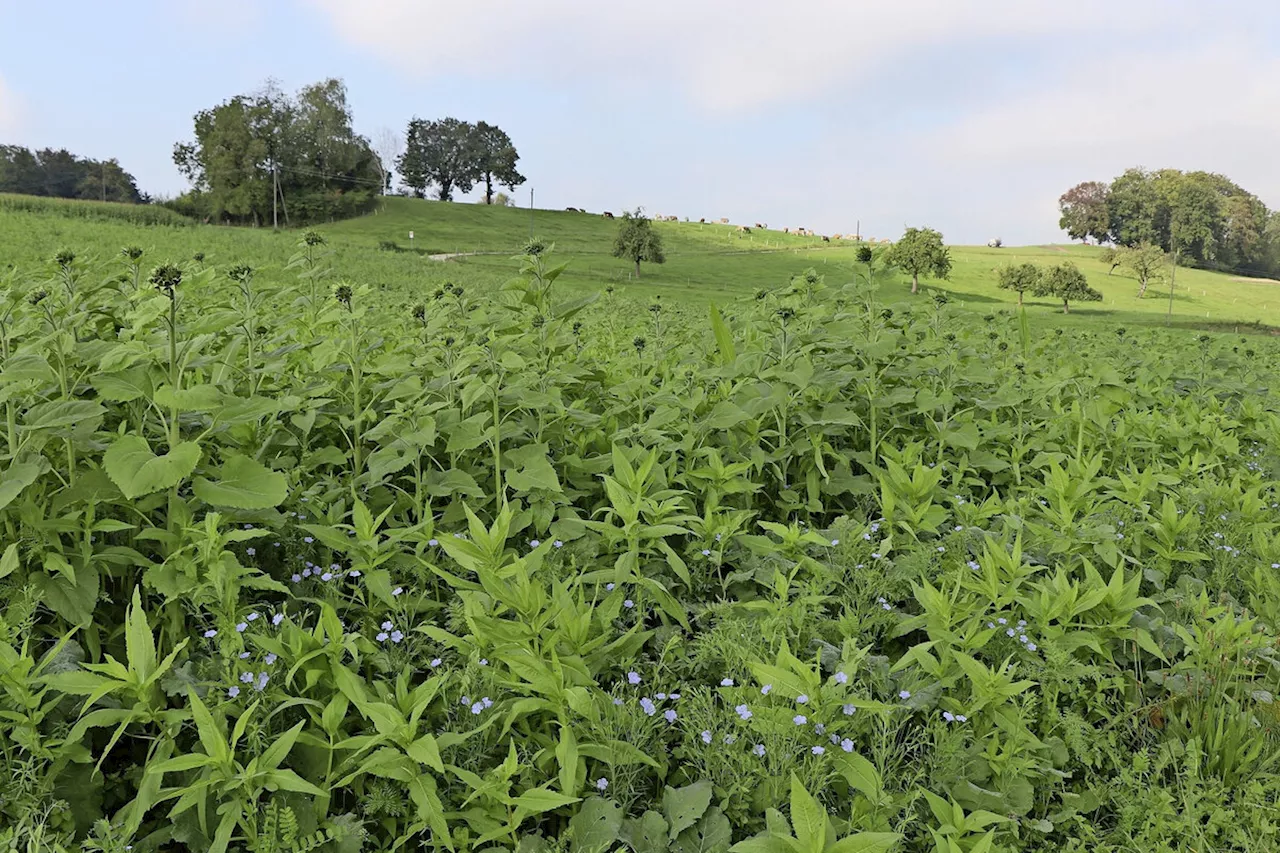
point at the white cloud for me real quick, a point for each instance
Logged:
(724, 55)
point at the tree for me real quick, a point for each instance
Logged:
(1067, 283)
(1084, 211)
(497, 159)
(1020, 278)
(1111, 257)
(442, 153)
(1133, 209)
(61, 174)
(264, 152)
(920, 252)
(637, 241)
(1146, 262)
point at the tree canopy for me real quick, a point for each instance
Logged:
(451, 154)
(1146, 261)
(1203, 217)
(920, 252)
(267, 150)
(61, 174)
(1020, 278)
(1066, 282)
(637, 241)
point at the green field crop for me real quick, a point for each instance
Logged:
(313, 545)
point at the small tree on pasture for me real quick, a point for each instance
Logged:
(1067, 283)
(1020, 278)
(1146, 262)
(1111, 257)
(637, 241)
(920, 252)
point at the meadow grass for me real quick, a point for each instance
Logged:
(705, 262)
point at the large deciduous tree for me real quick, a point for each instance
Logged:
(1084, 212)
(444, 154)
(1020, 278)
(637, 241)
(920, 252)
(267, 151)
(497, 159)
(1066, 282)
(61, 174)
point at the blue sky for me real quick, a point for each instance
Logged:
(971, 117)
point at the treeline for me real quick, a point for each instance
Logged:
(57, 173)
(269, 157)
(1201, 217)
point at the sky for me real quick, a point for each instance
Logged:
(969, 117)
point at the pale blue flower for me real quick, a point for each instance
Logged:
(602, 783)
(730, 740)
(557, 544)
(628, 604)
(646, 705)
(670, 715)
(270, 658)
(297, 578)
(904, 694)
(609, 587)
(846, 745)
(841, 678)
(802, 699)
(617, 701)
(431, 543)
(261, 683)
(661, 696)
(835, 542)
(1031, 647)
(961, 718)
(397, 636)
(633, 677)
(246, 678)
(381, 636)
(435, 662)
(534, 543)
(241, 627)
(706, 552)
(477, 707)
(484, 661)
(210, 634)
(726, 682)
(387, 626)
(948, 716)
(487, 702)
(849, 709)
(397, 591)
(799, 719)
(758, 749)
(308, 539)
(252, 552)
(819, 729)
(327, 576)
(743, 712)
(276, 620)
(706, 736)
(764, 691)
(233, 691)
(818, 750)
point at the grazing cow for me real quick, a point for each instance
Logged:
(826, 239)
(885, 240)
(572, 209)
(724, 220)
(837, 236)
(673, 218)
(607, 215)
(742, 229)
(758, 225)
(703, 220)
(786, 229)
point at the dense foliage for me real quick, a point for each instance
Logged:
(920, 251)
(450, 154)
(637, 241)
(292, 563)
(1200, 216)
(265, 156)
(61, 174)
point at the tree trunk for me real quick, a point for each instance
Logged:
(1142, 288)
(488, 188)
(915, 282)
(1019, 298)
(637, 269)
(446, 191)
(1066, 309)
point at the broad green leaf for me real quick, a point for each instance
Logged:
(121, 387)
(9, 561)
(62, 413)
(19, 476)
(596, 825)
(539, 800)
(683, 806)
(137, 471)
(860, 774)
(198, 398)
(724, 338)
(139, 644)
(243, 483)
(711, 834)
(647, 833)
(866, 842)
(808, 819)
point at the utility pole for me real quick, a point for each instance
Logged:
(104, 180)
(275, 186)
(1173, 274)
(530, 213)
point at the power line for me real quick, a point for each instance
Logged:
(315, 173)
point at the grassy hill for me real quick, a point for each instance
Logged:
(704, 261)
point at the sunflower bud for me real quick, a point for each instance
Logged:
(166, 277)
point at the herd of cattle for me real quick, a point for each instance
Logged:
(759, 226)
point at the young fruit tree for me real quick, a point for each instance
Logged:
(637, 241)
(1111, 257)
(1020, 278)
(1146, 262)
(1067, 283)
(920, 252)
